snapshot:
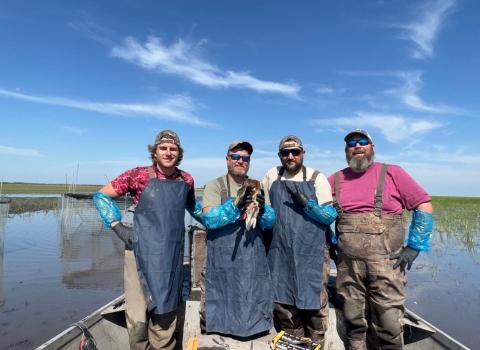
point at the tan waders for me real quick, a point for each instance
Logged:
(145, 330)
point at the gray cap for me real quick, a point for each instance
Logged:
(244, 144)
(166, 136)
(358, 131)
(290, 141)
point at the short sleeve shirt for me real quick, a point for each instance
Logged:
(135, 180)
(322, 187)
(357, 190)
(212, 194)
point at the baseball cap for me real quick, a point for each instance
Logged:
(290, 141)
(358, 131)
(167, 133)
(244, 144)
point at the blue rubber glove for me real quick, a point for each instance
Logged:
(196, 211)
(324, 214)
(420, 230)
(221, 215)
(267, 218)
(107, 208)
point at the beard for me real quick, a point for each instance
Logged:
(293, 167)
(361, 164)
(237, 172)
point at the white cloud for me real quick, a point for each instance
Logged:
(407, 92)
(327, 90)
(181, 59)
(177, 108)
(394, 128)
(75, 130)
(424, 31)
(19, 151)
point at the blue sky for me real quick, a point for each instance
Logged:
(86, 85)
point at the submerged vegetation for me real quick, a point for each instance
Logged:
(30, 205)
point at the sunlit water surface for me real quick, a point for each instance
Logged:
(58, 266)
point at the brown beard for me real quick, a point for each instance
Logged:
(361, 164)
(292, 167)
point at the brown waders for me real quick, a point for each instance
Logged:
(372, 291)
(146, 330)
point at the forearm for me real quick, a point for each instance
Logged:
(420, 230)
(107, 209)
(196, 211)
(221, 215)
(267, 219)
(325, 214)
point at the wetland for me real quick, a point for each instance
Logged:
(58, 263)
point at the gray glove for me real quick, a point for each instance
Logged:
(298, 196)
(125, 233)
(406, 256)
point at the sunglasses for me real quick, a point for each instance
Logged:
(294, 151)
(361, 142)
(234, 156)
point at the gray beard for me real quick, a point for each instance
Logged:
(232, 171)
(361, 164)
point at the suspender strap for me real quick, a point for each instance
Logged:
(225, 190)
(379, 192)
(304, 173)
(151, 175)
(280, 173)
(181, 176)
(336, 202)
(314, 175)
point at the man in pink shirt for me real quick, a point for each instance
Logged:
(370, 199)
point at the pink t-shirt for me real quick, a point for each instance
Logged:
(135, 180)
(357, 190)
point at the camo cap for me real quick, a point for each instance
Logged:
(247, 146)
(290, 141)
(358, 131)
(167, 136)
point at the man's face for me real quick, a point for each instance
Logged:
(292, 158)
(167, 154)
(359, 157)
(238, 167)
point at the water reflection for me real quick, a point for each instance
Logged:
(91, 254)
(4, 207)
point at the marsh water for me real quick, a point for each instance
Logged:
(58, 263)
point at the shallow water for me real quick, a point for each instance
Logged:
(58, 266)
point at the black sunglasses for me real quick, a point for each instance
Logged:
(361, 142)
(234, 156)
(294, 151)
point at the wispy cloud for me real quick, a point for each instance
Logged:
(328, 90)
(177, 108)
(408, 91)
(424, 30)
(182, 59)
(19, 151)
(394, 128)
(89, 29)
(75, 130)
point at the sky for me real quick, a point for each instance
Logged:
(85, 86)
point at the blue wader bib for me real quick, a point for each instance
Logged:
(158, 241)
(238, 288)
(297, 249)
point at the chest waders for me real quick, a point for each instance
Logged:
(297, 250)
(370, 236)
(158, 241)
(372, 291)
(238, 288)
